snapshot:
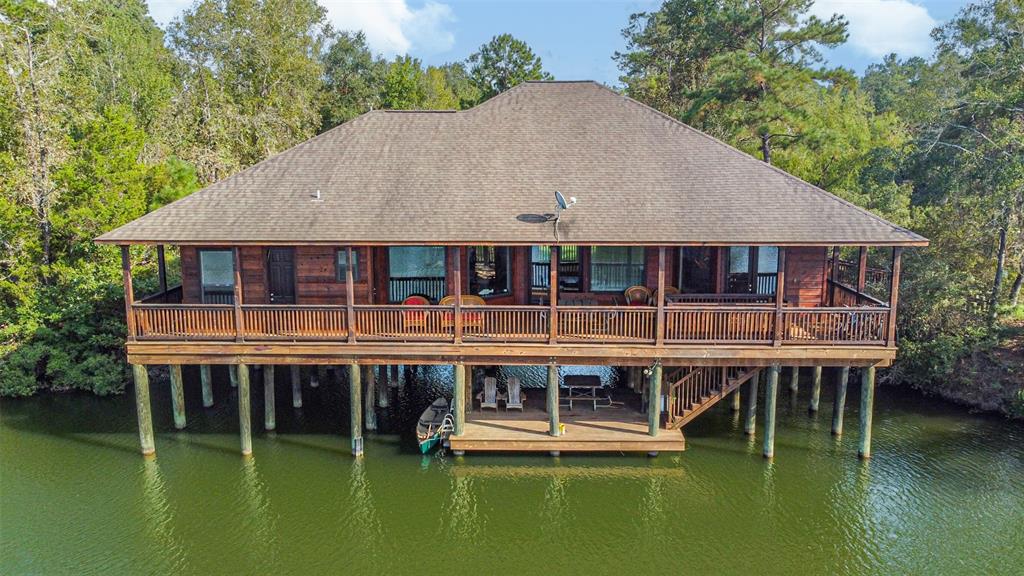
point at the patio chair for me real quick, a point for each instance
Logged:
(488, 397)
(516, 396)
(637, 296)
(668, 290)
(469, 319)
(415, 319)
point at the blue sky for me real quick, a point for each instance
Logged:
(577, 38)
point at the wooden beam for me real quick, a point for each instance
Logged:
(350, 297)
(553, 256)
(459, 399)
(660, 320)
(654, 401)
(815, 390)
(862, 268)
(129, 293)
(457, 272)
(143, 409)
(780, 295)
(894, 295)
(161, 268)
(239, 327)
(269, 414)
(355, 403)
(867, 404)
(750, 420)
(771, 393)
(177, 396)
(835, 275)
(839, 402)
(244, 410)
(552, 398)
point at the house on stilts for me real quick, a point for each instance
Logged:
(425, 237)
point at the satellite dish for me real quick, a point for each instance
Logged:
(561, 200)
(561, 205)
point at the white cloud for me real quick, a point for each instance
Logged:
(392, 27)
(165, 11)
(878, 27)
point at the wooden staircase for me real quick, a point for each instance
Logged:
(694, 389)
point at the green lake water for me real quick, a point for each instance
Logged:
(944, 494)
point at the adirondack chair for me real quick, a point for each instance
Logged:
(516, 396)
(489, 396)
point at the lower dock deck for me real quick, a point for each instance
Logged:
(619, 429)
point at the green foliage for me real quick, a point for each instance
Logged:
(502, 63)
(353, 78)
(404, 85)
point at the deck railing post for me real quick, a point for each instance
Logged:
(835, 276)
(239, 328)
(350, 310)
(129, 295)
(659, 338)
(457, 273)
(780, 293)
(553, 294)
(894, 296)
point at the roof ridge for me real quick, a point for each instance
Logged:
(748, 157)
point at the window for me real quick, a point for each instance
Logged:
(217, 276)
(569, 279)
(695, 270)
(490, 271)
(615, 268)
(416, 270)
(753, 269)
(341, 265)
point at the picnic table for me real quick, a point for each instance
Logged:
(582, 387)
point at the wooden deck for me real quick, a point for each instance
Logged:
(606, 430)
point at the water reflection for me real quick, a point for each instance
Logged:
(160, 519)
(258, 519)
(459, 520)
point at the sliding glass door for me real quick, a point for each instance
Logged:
(416, 270)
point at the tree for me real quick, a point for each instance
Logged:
(502, 63)
(353, 79)
(404, 86)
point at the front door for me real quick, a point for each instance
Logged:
(281, 275)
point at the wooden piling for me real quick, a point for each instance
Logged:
(382, 386)
(552, 398)
(654, 401)
(394, 380)
(314, 379)
(794, 380)
(355, 401)
(771, 392)
(143, 409)
(269, 416)
(459, 399)
(736, 402)
(297, 389)
(369, 411)
(232, 375)
(244, 410)
(177, 396)
(750, 421)
(815, 389)
(207, 383)
(867, 404)
(839, 403)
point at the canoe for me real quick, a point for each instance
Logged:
(434, 425)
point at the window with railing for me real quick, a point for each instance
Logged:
(570, 278)
(418, 270)
(490, 271)
(615, 268)
(752, 269)
(217, 276)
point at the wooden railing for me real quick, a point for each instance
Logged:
(719, 299)
(696, 384)
(683, 324)
(433, 287)
(843, 295)
(171, 296)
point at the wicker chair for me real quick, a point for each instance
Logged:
(637, 296)
(469, 319)
(668, 290)
(415, 319)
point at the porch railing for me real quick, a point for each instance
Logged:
(433, 287)
(683, 324)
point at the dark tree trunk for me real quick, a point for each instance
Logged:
(997, 284)
(766, 149)
(1017, 283)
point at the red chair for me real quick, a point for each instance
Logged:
(411, 318)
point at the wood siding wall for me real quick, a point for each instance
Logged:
(317, 283)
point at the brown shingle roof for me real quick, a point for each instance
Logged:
(475, 177)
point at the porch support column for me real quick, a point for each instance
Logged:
(269, 415)
(867, 404)
(459, 399)
(370, 412)
(750, 420)
(659, 333)
(894, 295)
(297, 386)
(780, 295)
(143, 409)
(233, 375)
(839, 403)
(161, 269)
(553, 294)
(237, 300)
(207, 383)
(794, 380)
(355, 404)
(244, 409)
(737, 403)
(177, 396)
(815, 389)
(771, 392)
(862, 268)
(654, 400)
(457, 274)
(835, 276)
(553, 428)
(129, 292)
(350, 302)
